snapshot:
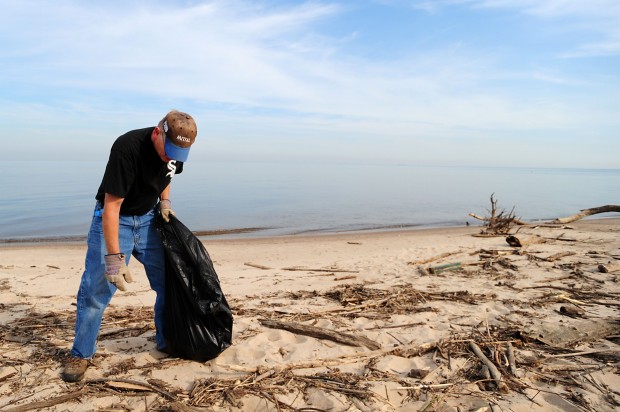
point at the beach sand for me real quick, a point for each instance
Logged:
(413, 329)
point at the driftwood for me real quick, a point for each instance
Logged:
(582, 353)
(257, 266)
(569, 368)
(516, 221)
(303, 269)
(495, 373)
(510, 354)
(434, 258)
(131, 385)
(49, 402)
(210, 391)
(321, 333)
(559, 255)
(501, 223)
(523, 241)
(498, 222)
(345, 277)
(588, 212)
(551, 258)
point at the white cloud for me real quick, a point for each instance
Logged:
(594, 16)
(274, 72)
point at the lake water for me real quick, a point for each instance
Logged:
(54, 199)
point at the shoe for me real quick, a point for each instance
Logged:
(74, 369)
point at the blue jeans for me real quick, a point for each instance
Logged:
(138, 237)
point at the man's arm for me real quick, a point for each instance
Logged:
(111, 217)
(165, 205)
(165, 194)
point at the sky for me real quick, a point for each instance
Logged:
(526, 83)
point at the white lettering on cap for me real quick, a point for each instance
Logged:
(183, 138)
(165, 126)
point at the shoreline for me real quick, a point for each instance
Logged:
(238, 233)
(255, 232)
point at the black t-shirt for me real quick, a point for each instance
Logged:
(136, 173)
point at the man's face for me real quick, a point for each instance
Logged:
(159, 143)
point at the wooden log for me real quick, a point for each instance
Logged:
(321, 333)
(48, 402)
(495, 374)
(523, 241)
(588, 212)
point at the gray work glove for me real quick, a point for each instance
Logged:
(165, 207)
(116, 271)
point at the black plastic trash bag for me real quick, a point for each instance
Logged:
(198, 322)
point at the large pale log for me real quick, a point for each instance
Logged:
(588, 212)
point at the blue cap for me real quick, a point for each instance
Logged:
(175, 152)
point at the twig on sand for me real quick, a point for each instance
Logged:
(427, 386)
(321, 333)
(434, 258)
(133, 385)
(560, 255)
(48, 402)
(255, 265)
(303, 269)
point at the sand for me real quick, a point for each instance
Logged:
(553, 303)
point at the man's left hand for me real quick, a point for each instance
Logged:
(165, 207)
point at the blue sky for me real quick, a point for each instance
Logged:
(448, 82)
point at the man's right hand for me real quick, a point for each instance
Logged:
(116, 271)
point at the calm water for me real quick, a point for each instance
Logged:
(55, 199)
